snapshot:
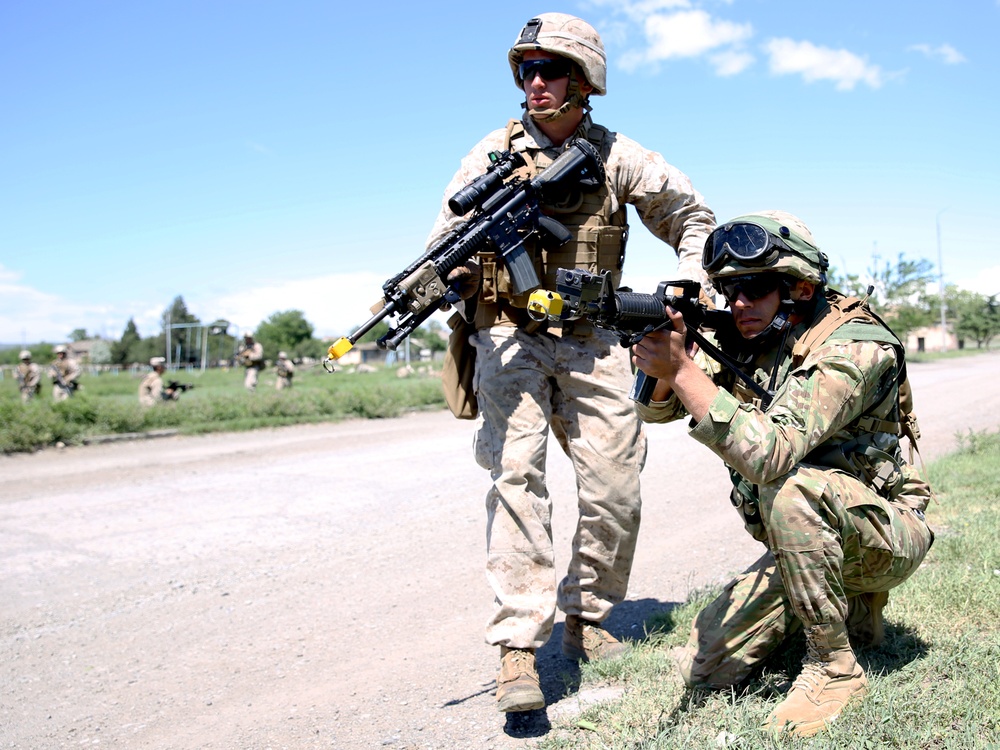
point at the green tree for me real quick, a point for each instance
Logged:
(287, 331)
(78, 334)
(849, 284)
(123, 350)
(100, 352)
(900, 289)
(379, 330)
(972, 316)
(432, 337)
(182, 339)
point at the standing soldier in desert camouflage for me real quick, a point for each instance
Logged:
(251, 356)
(818, 474)
(569, 378)
(284, 368)
(65, 374)
(29, 377)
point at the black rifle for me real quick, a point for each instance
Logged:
(69, 388)
(173, 385)
(631, 315)
(505, 215)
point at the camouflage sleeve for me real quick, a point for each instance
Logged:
(834, 386)
(672, 409)
(475, 163)
(665, 201)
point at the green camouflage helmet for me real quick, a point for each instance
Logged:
(800, 257)
(567, 36)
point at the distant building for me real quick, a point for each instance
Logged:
(929, 339)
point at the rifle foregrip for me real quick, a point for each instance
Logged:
(642, 388)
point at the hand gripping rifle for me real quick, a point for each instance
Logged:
(631, 316)
(505, 215)
(69, 388)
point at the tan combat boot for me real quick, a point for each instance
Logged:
(517, 684)
(830, 679)
(589, 641)
(864, 618)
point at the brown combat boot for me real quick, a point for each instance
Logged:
(864, 619)
(589, 641)
(518, 687)
(830, 679)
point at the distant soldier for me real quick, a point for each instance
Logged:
(65, 374)
(29, 377)
(251, 356)
(285, 370)
(151, 390)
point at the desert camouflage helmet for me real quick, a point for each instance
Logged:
(157, 361)
(282, 355)
(25, 354)
(564, 35)
(61, 349)
(803, 259)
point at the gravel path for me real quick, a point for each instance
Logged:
(321, 586)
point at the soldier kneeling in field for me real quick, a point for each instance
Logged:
(812, 442)
(151, 390)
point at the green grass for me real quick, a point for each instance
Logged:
(108, 404)
(934, 683)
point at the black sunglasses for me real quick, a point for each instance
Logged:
(549, 70)
(753, 287)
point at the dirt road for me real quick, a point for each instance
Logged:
(320, 586)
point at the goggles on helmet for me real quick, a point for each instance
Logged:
(753, 286)
(549, 70)
(743, 243)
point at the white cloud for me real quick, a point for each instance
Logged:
(815, 63)
(944, 52)
(28, 315)
(731, 62)
(641, 9)
(334, 304)
(690, 34)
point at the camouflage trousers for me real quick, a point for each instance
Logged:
(250, 379)
(829, 538)
(575, 386)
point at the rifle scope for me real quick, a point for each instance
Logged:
(477, 192)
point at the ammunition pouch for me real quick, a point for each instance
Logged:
(879, 470)
(745, 499)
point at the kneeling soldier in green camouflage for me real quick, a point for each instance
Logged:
(813, 447)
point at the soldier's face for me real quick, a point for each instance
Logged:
(539, 93)
(752, 316)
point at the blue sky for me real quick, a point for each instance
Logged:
(260, 156)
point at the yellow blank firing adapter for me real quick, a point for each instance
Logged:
(340, 347)
(544, 304)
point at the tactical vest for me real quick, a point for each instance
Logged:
(851, 319)
(599, 234)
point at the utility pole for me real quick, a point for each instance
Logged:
(944, 328)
